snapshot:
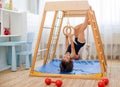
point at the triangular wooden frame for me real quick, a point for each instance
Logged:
(71, 9)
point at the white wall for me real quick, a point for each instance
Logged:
(21, 5)
(19, 26)
(32, 6)
(24, 5)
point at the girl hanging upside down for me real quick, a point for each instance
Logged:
(66, 64)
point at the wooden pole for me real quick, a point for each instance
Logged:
(38, 42)
(97, 39)
(50, 39)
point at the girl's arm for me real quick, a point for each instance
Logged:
(73, 53)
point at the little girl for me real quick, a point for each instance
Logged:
(66, 64)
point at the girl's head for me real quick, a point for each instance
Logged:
(66, 64)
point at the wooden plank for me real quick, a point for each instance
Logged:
(66, 5)
(78, 76)
(103, 55)
(98, 42)
(38, 42)
(75, 13)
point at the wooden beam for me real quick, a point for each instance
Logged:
(75, 13)
(66, 5)
(38, 42)
(97, 39)
(78, 76)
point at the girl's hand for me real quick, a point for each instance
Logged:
(70, 35)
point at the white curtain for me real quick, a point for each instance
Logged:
(107, 14)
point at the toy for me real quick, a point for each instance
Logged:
(48, 81)
(105, 80)
(58, 83)
(6, 31)
(101, 84)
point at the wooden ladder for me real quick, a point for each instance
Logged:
(54, 36)
(98, 42)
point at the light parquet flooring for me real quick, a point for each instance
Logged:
(21, 78)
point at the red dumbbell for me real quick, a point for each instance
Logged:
(101, 84)
(48, 81)
(58, 83)
(105, 80)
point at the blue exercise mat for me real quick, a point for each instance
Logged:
(80, 67)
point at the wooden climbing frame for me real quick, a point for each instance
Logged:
(71, 9)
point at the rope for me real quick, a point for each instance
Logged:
(67, 30)
(87, 41)
(68, 19)
(87, 44)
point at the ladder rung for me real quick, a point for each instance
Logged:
(54, 37)
(42, 50)
(102, 61)
(99, 45)
(48, 27)
(57, 26)
(95, 28)
(100, 52)
(97, 37)
(59, 18)
(93, 21)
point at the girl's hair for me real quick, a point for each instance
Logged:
(66, 66)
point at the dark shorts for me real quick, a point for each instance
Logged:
(77, 46)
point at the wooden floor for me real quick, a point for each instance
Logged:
(21, 78)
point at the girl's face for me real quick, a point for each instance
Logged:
(67, 57)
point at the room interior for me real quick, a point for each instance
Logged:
(25, 40)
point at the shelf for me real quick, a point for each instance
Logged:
(9, 35)
(6, 10)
